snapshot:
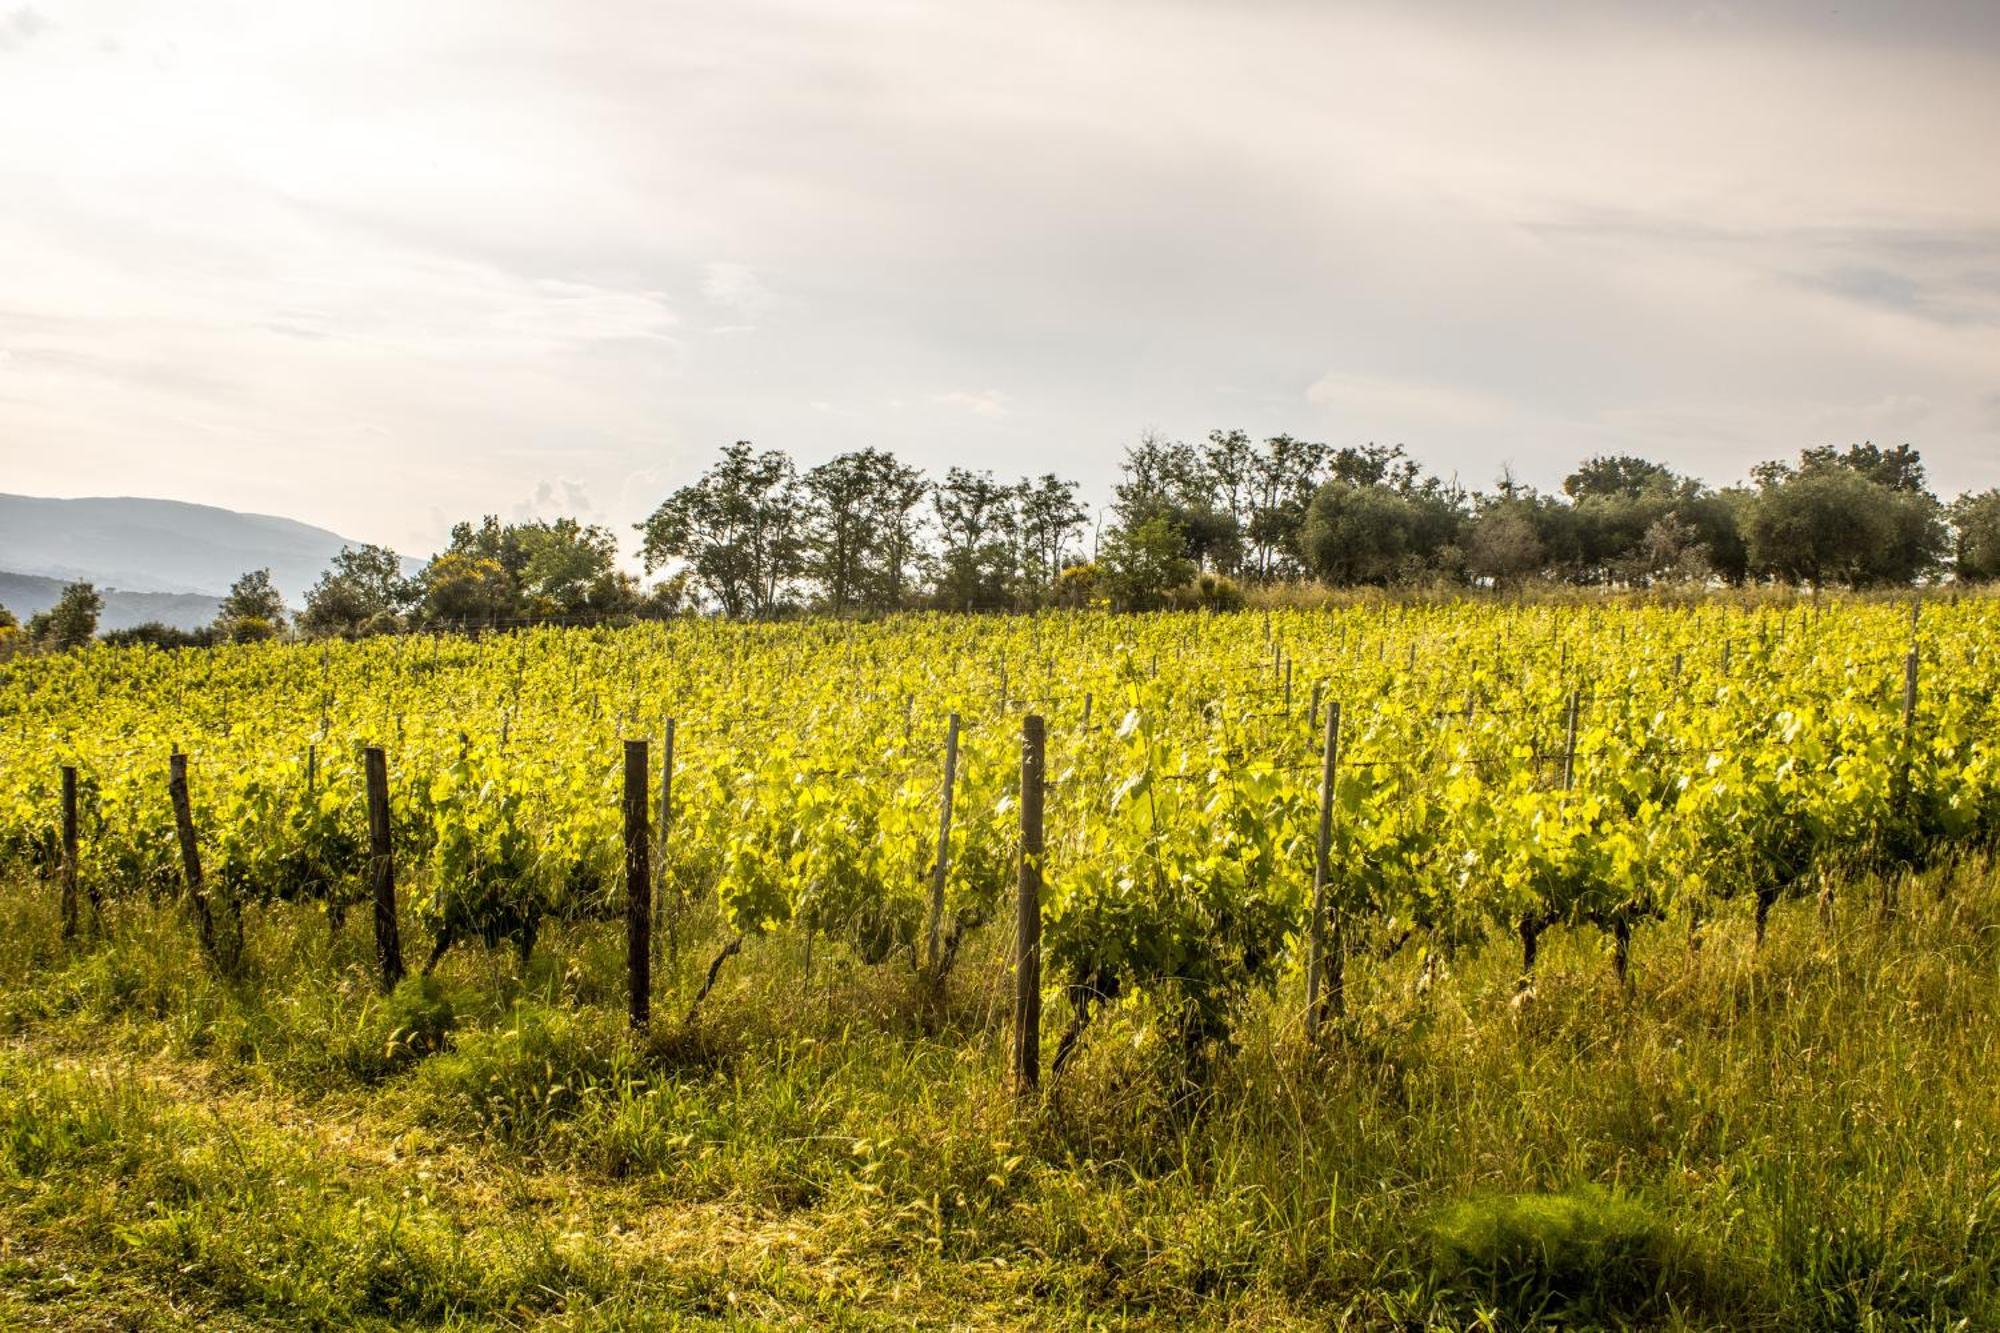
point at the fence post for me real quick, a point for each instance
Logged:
(638, 891)
(1569, 744)
(69, 907)
(1910, 691)
(177, 791)
(1324, 978)
(1028, 918)
(382, 868)
(1312, 718)
(943, 861)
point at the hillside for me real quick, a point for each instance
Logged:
(159, 546)
(26, 594)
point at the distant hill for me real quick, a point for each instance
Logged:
(159, 546)
(26, 594)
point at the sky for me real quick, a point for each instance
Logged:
(379, 266)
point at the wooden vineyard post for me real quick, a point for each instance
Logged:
(382, 868)
(1324, 972)
(177, 791)
(665, 909)
(1569, 744)
(1088, 699)
(942, 864)
(1288, 685)
(1312, 718)
(1028, 917)
(69, 907)
(1910, 691)
(638, 891)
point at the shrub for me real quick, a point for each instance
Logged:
(1585, 1253)
(1076, 586)
(420, 1017)
(1210, 592)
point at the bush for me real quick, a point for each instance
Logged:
(160, 635)
(524, 1082)
(420, 1017)
(1586, 1253)
(1076, 586)
(1210, 592)
(247, 629)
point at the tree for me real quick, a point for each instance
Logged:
(1049, 516)
(899, 491)
(463, 588)
(1825, 524)
(158, 634)
(977, 526)
(1284, 477)
(837, 531)
(1670, 551)
(364, 589)
(861, 530)
(570, 568)
(1230, 461)
(72, 621)
(1899, 469)
(1502, 543)
(253, 609)
(1138, 568)
(737, 527)
(1358, 534)
(1171, 480)
(1975, 521)
(1619, 475)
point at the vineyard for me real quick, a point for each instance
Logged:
(1245, 836)
(1492, 775)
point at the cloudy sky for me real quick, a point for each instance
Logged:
(377, 265)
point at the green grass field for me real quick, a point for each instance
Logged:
(1806, 1137)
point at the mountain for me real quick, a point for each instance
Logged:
(159, 546)
(26, 594)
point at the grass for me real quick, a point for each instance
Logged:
(1802, 1137)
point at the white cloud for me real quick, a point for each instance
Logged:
(985, 403)
(20, 27)
(1389, 405)
(738, 289)
(561, 497)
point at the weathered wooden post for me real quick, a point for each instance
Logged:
(382, 868)
(638, 891)
(177, 791)
(1028, 916)
(69, 906)
(1569, 744)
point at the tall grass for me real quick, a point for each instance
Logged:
(1798, 1137)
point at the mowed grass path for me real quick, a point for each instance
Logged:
(1806, 1136)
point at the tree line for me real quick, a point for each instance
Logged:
(1190, 524)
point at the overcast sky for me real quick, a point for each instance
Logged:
(381, 265)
